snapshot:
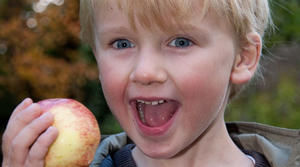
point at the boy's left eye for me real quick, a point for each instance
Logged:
(181, 42)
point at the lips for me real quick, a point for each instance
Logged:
(154, 116)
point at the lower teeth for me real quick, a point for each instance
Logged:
(141, 113)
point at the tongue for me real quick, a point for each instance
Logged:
(158, 115)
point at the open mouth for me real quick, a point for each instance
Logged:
(156, 113)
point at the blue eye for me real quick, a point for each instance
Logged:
(122, 44)
(181, 42)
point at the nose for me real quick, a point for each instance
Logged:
(149, 69)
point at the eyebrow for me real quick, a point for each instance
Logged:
(190, 28)
(114, 29)
(197, 31)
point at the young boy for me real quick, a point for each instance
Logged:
(168, 69)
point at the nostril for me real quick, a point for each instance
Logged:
(143, 78)
(147, 78)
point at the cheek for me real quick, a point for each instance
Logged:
(204, 80)
(203, 86)
(113, 78)
(112, 82)
(204, 101)
(203, 94)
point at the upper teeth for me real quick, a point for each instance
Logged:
(151, 102)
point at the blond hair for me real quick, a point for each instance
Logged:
(244, 16)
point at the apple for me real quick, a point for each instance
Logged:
(79, 133)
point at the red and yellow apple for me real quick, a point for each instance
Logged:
(79, 133)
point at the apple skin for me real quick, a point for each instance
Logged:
(79, 133)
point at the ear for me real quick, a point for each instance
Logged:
(247, 59)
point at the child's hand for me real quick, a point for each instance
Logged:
(28, 136)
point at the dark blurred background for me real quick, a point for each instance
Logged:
(41, 56)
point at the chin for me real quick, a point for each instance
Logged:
(159, 152)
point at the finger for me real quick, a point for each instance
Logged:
(16, 123)
(28, 135)
(19, 121)
(40, 148)
(24, 104)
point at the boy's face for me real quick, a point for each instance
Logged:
(184, 75)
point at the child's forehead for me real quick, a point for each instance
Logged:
(167, 16)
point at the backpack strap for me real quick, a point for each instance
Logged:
(123, 157)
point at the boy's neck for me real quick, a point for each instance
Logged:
(213, 148)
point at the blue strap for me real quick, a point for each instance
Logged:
(123, 157)
(107, 162)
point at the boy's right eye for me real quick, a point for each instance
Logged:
(122, 44)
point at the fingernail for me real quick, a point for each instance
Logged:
(27, 100)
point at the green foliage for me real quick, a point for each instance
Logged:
(278, 106)
(110, 125)
(286, 18)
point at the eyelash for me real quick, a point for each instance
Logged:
(174, 43)
(117, 45)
